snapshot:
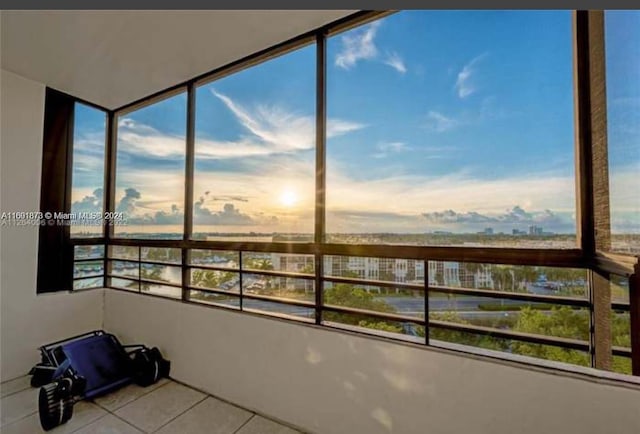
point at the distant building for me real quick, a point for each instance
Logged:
(294, 264)
(443, 273)
(535, 230)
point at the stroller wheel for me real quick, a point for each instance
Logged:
(55, 404)
(147, 368)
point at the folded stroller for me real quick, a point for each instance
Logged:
(87, 366)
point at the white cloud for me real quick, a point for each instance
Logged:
(271, 129)
(84, 162)
(624, 188)
(358, 45)
(409, 197)
(140, 139)
(513, 216)
(395, 61)
(465, 85)
(337, 127)
(385, 149)
(440, 123)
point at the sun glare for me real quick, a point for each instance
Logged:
(288, 198)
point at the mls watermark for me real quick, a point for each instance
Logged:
(38, 218)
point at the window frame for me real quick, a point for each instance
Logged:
(592, 251)
(55, 244)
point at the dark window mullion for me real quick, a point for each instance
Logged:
(188, 186)
(320, 202)
(109, 185)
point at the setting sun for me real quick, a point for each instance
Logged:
(288, 198)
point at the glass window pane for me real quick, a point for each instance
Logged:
(124, 269)
(215, 279)
(150, 172)
(279, 309)
(88, 269)
(161, 254)
(622, 33)
(161, 290)
(161, 273)
(88, 252)
(281, 287)
(255, 152)
(124, 252)
(619, 289)
(376, 326)
(549, 281)
(92, 282)
(215, 258)
(445, 338)
(621, 329)
(375, 298)
(544, 319)
(285, 262)
(620, 323)
(212, 298)
(87, 179)
(621, 364)
(442, 131)
(384, 269)
(129, 285)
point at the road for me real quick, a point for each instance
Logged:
(464, 306)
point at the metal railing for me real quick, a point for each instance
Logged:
(135, 272)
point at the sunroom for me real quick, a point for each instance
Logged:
(332, 221)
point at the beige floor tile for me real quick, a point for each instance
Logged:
(27, 425)
(261, 425)
(83, 414)
(155, 409)
(121, 397)
(109, 425)
(15, 385)
(18, 405)
(211, 416)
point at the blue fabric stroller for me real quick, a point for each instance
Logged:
(87, 366)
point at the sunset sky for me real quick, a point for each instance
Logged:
(437, 120)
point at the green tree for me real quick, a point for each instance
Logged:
(152, 273)
(560, 322)
(347, 295)
(523, 275)
(259, 263)
(210, 278)
(461, 337)
(621, 337)
(503, 278)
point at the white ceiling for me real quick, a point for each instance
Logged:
(112, 58)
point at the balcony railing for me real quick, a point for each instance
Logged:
(483, 298)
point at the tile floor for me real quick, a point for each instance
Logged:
(166, 407)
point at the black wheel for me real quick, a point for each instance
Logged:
(41, 375)
(147, 367)
(55, 404)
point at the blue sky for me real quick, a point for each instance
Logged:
(436, 121)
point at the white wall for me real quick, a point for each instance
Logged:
(27, 320)
(331, 382)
